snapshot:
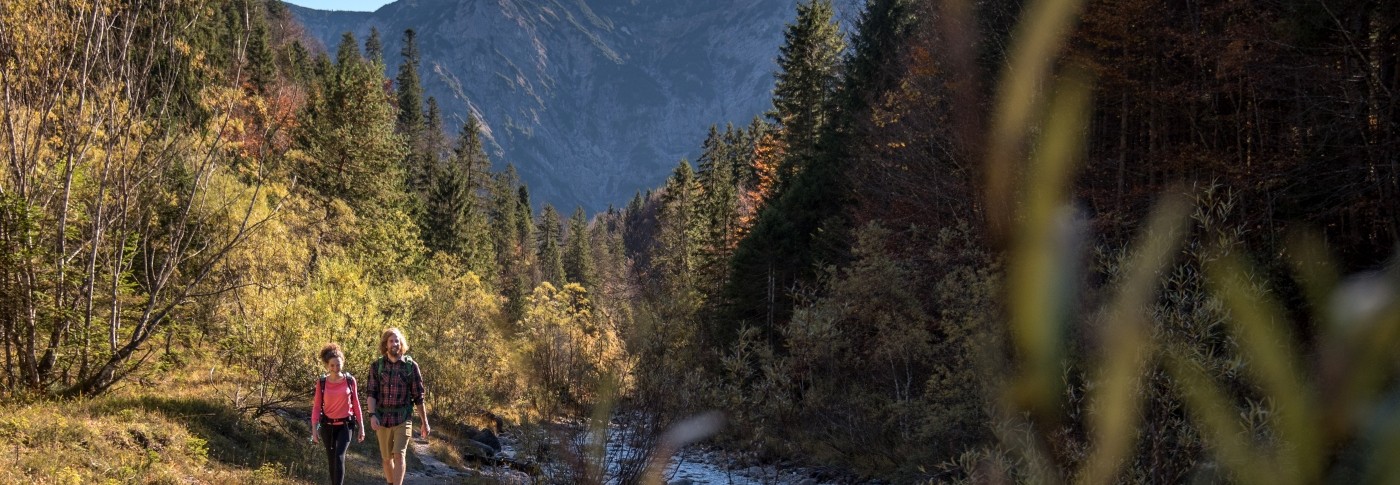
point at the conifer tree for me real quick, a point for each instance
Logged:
(299, 64)
(526, 219)
(434, 148)
(348, 51)
(456, 213)
(374, 49)
(551, 257)
(578, 253)
(504, 216)
(410, 91)
(423, 160)
(679, 235)
(262, 70)
(718, 208)
(512, 257)
(637, 231)
(347, 135)
(808, 64)
(609, 258)
(322, 68)
(787, 240)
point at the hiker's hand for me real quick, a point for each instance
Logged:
(426, 429)
(362, 436)
(313, 437)
(374, 423)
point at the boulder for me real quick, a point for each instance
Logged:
(476, 448)
(488, 438)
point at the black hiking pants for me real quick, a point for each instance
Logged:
(336, 438)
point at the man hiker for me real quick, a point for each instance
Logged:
(394, 387)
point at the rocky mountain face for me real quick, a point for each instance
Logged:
(591, 100)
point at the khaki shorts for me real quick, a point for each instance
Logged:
(394, 439)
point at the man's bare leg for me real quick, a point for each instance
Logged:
(398, 466)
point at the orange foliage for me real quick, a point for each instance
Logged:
(768, 152)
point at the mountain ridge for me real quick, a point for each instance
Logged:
(591, 100)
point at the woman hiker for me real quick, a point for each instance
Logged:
(335, 411)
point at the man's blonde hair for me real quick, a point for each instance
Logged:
(384, 341)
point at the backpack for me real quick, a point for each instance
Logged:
(408, 373)
(354, 423)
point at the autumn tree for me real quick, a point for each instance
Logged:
(116, 204)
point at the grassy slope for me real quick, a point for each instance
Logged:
(181, 430)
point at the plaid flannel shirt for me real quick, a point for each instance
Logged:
(394, 385)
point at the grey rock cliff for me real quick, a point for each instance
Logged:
(591, 100)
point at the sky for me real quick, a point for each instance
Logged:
(356, 5)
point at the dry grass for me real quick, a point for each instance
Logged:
(180, 430)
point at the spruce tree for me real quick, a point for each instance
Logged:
(808, 64)
(410, 91)
(262, 69)
(505, 224)
(512, 257)
(526, 219)
(425, 147)
(433, 148)
(718, 208)
(551, 257)
(679, 235)
(347, 135)
(473, 168)
(578, 252)
(803, 225)
(348, 51)
(374, 49)
(456, 214)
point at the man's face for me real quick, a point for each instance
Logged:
(395, 348)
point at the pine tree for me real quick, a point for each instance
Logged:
(679, 235)
(374, 49)
(348, 52)
(347, 135)
(262, 69)
(410, 91)
(808, 64)
(551, 257)
(526, 219)
(718, 208)
(456, 212)
(800, 223)
(578, 252)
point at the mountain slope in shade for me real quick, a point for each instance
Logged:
(591, 100)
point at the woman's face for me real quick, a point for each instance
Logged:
(333, 365)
